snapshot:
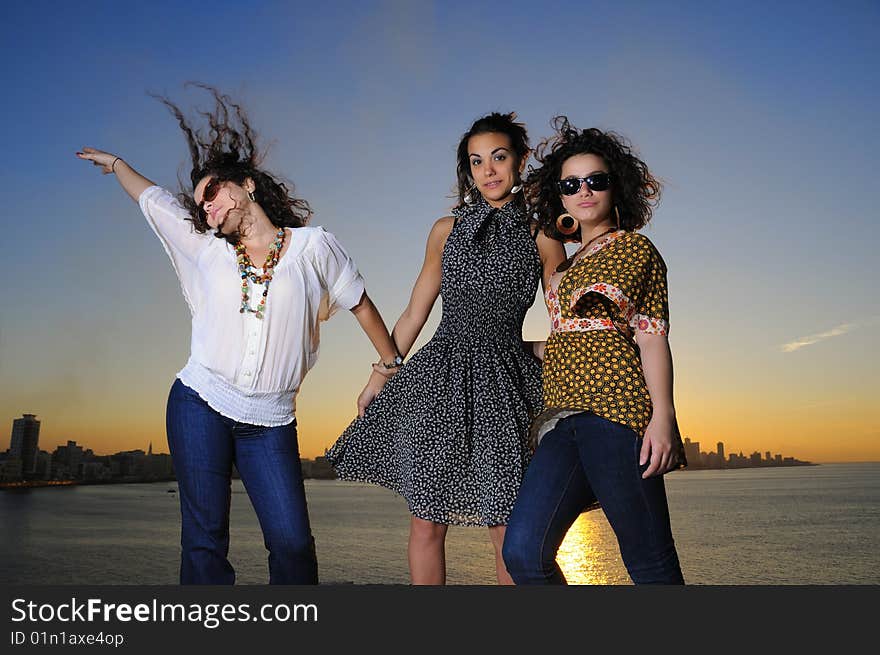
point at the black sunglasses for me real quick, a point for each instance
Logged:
(595, 182)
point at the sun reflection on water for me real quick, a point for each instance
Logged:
(584, 555)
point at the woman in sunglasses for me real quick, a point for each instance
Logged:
(609, 431)
(450, 431)
(257, 282)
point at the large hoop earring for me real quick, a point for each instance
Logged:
(251, 196)
(516, 188)
(617, 216)
(566, 224)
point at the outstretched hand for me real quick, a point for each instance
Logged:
(98, 158)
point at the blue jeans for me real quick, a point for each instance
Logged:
(204, 444)
(586, 458)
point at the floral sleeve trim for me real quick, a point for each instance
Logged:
(627, 307)
(649, 324)
(618, 297)
(561, 324)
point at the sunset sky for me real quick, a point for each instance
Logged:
(759, 117)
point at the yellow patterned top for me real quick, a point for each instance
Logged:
(591, 362)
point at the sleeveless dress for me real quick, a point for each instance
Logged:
(449, 432)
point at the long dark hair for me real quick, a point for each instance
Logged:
(494, 122)
(227, 150)
(636, 192)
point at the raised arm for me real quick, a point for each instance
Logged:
(165, 216)
(131, 181)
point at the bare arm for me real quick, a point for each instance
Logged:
(131, 181)
(662, 430)
(552, 254)
(425, 290)
(411, 322)
(374, 327)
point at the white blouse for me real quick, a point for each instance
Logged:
(250, 369)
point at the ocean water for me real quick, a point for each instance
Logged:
(791, 526)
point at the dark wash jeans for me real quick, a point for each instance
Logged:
(585, 458)
(204, 444)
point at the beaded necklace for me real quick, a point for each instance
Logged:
(246, 270)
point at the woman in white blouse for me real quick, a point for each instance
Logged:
(254, 337)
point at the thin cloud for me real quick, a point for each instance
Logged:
(797, 344)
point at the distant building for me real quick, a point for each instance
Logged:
(95, 471)
(24, 442)
(318, 468)
(131, 463)
(158, 467)
(720, 451)
(692, 453)
(67, 460)
(10, 469)
(44, 466)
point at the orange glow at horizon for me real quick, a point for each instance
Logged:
(834, 426)
(816, 435)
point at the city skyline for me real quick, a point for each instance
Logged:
(699, 459)
(24, 463)
(691, 447)
(761, 125)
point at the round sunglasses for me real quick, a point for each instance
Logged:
(595, 182)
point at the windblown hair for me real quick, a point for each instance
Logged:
(227, 150)
(635, 191)
(497, 123)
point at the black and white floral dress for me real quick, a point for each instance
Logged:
(449, 432)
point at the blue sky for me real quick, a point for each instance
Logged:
(759, 117)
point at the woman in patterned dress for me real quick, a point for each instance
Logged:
(449, 431)
(609, 431)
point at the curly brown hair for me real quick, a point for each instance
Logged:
(228, 151)
(635, 191)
